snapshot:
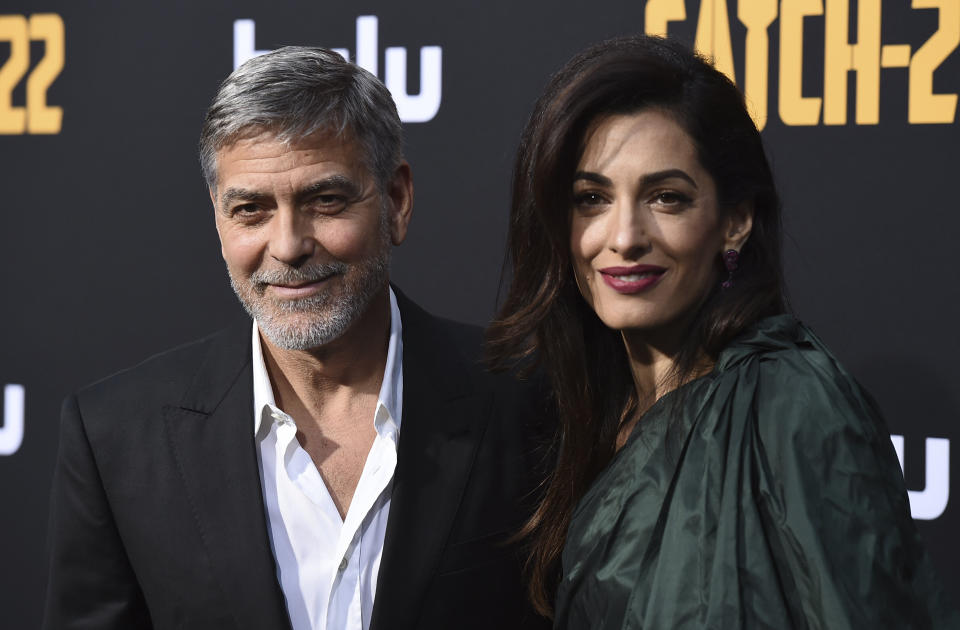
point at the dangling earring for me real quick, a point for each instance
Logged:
(730, 259)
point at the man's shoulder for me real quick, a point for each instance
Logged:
(167, 374)
(459, 347)
(442, 335)
(448, 335)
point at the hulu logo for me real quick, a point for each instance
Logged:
(11, 433)
(420, 107)
(929, 503)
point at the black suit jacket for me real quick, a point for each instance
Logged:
(157, 516)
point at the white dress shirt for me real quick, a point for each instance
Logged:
(327, 566)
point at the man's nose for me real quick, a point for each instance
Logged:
(628, 229)
(291, 238)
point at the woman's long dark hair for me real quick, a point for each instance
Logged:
(544, 317)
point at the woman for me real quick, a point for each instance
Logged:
(714, 467)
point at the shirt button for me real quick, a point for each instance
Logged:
(343, 564)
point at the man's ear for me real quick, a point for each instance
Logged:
(400, 202)
(216, 221)
(739, 223)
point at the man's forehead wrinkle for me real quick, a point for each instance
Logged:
(281, 168)
(285, 171)
(283, 131)
(281, 157)
(320, 132)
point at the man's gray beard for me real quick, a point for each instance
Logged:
(325, 319)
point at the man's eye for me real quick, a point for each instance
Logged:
(329, 200)
(247, 209)
(328, 203)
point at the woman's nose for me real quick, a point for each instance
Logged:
(628, 230)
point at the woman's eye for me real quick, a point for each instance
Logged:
(670, 198)
(588, 199)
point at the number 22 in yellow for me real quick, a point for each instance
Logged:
(37, 116)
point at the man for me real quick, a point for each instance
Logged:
(345, 463)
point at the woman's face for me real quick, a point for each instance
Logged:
(646, 231)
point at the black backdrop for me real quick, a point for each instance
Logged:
(110, 253)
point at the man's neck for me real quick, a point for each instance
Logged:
(349, 366)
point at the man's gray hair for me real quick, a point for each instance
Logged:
(295, 91)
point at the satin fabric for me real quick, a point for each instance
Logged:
(766, 494)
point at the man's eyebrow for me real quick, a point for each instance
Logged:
(241, 194)
(334, 182)
(340, 183)
(646, 180)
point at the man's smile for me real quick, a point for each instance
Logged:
(299, 290)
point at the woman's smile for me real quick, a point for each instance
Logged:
(633, 279)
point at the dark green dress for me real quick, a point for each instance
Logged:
(766, 494)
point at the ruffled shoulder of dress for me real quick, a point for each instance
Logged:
(772, 335)
(793, 384)
(785, 340)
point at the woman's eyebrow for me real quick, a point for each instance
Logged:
(596, 178)
(659, 176)
(646, 180)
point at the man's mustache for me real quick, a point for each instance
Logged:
(296, 275)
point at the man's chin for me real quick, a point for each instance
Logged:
(297, 337)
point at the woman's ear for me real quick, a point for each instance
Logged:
(739, 222)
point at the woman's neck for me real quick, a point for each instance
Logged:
(652, 355)
(653, 366)
(650, 369)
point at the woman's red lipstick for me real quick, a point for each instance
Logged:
(632, 279)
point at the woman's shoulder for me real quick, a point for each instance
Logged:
(781, 343)
(825, 480)
(799, 393)
(780, 355)
(810, 431)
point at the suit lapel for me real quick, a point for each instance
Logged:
(443, 422)
(211, 437)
